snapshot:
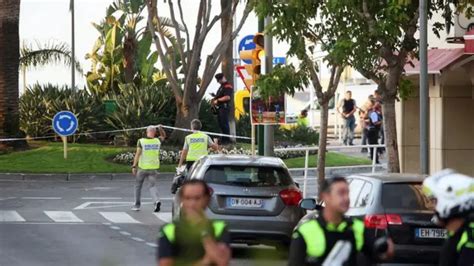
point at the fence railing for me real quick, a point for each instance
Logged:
(307, 150)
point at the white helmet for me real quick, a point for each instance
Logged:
(454, 193)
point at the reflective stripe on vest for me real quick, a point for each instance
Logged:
(465, 241)
(197, 146)
(315, 239)
(150, 157)
(170, 230)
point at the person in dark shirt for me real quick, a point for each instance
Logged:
(315, 241)
(347, 108)
(454, 196)
(193, 239)
(221, 102)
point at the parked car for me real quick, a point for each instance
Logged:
(394, 205)
(254, 195)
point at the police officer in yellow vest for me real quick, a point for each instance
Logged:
(196, 145)
(193, 239)
(454, 197)
(147, 158)
(331, 238)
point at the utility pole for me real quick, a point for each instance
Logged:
(73, 47)
(424, 97)
(269, 134)
(260, 128)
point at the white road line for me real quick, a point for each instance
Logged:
(8, 198)
(41, 198)
(101, 198)
(119, 217)
(115, 227)
(153, 245)
(138, 239)
(10, 216)
(164, 216)
(63, 217)
(106, 223)
(125, 233)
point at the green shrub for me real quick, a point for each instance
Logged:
(40, 103)
(296, 135)
(140, 107)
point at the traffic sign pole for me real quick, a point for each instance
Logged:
(64, 146)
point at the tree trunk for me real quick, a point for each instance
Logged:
(390, 129)
(227, 61)
(184, 116)
(323, 134)
(9, 56)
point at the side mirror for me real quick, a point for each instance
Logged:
(308, 204)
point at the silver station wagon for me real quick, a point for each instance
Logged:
(254, 195)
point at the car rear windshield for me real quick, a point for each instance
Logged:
(406, 196)
(250, 176)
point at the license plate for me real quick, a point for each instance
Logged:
(244, 203)
(431, 233)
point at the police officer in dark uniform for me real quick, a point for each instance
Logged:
(193, 239)
(454, 210)
(332, 238)
(221, 102)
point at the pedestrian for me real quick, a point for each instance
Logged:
(195, 145)
(147, 159)
(373, 123)
(363, 115)
(347, 108)
(193, 239)
(302, 120)
(453, 195)
(315, 240)
(221, 102)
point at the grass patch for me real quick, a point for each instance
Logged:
(82, 158)
(47, 157)
(332, 159)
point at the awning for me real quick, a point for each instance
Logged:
(438, 59)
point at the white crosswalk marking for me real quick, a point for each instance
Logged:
(164, 216)
(63, 217)
(10, 216)
(119, 217)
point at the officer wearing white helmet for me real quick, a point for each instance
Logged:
(454, 196)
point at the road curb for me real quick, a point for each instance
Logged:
(70, 177)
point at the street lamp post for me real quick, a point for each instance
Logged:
(424, 115)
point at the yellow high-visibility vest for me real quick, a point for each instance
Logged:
(150, 157)
(197, 146)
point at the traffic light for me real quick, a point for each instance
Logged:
(256, 56)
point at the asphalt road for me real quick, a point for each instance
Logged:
(90, 223)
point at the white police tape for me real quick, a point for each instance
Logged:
(125, 130)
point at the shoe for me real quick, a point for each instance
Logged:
(136, 208)
(157, 206)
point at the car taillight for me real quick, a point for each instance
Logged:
(291, 197)
(381, 221)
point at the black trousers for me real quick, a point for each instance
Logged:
(373, 137)
(223, 121)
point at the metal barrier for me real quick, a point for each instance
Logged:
(307, 149)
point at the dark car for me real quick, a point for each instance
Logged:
(394, 204)
(254, 195)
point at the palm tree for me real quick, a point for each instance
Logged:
(41, 55)
(9, 63)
